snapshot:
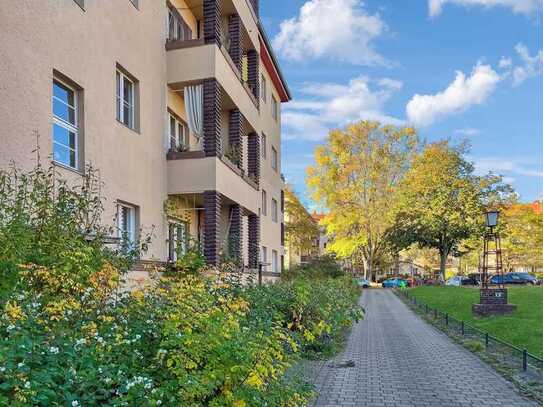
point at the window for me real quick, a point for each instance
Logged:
(263, 145)
(264, 259)
(179, 134)
(274, 210)
(263, 88)
(125, 100)
(177, 27)
(178, 235)
(274, 159)
(275, 108)
(264, 203)
(65, 125)
(126, 224)
(275, 264)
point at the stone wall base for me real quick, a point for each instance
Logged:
(486, 310)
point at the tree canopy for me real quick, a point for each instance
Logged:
(301, 230)
(356, 176)
(442, 201)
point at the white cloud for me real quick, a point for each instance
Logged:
(468, 132)
(332, 105)
(463, 93)
(335, 29)
(506, 166)
(531, 65)
(526, 7)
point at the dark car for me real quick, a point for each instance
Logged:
(514, 279)
(470, 281)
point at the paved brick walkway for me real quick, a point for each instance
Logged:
(402, 361)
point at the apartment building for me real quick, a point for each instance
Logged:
(177, 103)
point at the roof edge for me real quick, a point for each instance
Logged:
(270, 52)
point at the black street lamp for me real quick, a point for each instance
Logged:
(493, 301)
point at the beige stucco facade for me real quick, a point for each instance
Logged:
(85, 46)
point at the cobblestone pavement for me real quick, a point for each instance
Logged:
(402, 361)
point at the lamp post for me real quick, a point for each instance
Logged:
(493, 301)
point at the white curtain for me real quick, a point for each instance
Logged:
(194, 103)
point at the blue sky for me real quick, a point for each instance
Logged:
(458, 69)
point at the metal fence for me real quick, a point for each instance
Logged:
(506, 354)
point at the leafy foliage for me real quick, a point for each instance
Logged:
(356, 177)
(70, 336)
(301, 230)
(442, 201)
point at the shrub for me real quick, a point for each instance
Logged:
(321, 267)
(69, 336)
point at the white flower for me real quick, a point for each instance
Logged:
(10, 327)
(53, 350)
(27, 385)
(75, 403)
(158, 402)
(2, 369)
(20, 364)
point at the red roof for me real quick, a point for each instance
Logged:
(318, 216)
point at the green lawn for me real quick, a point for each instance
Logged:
(524, 328)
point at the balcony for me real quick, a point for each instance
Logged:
(197, 175)
(223, 48)
(192, 64)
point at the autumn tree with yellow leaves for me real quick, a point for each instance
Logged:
(356, 176)
(442, 201)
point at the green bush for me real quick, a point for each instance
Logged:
(320, 267)
(68, 336)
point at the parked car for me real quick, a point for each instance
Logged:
(455, 281)
(394, 283)
(514, 279)
(362, 282)
(458, 281)
(470, 280)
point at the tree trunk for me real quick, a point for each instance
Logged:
(366, 269)
(443, 254)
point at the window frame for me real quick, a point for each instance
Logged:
(120, 78)
(275, 261)
(263, 87)
(180, 247)
(264, 203)
(70, 127)
(130, 235)
(274, 210)
(275, 159)
(275, 108)
(179, 123)
(264, 254)
(264, 146)
(179, 28)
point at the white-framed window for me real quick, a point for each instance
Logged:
(264, 145)
(263, 87)
(178, 238)
(274, 210)
(179, 134)
(177, 27)
(274, 160)
(275, 261)
(65, 125)
(125, 100)
(264, 257)
(275, 108)
(126, 224)
(264, 203)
